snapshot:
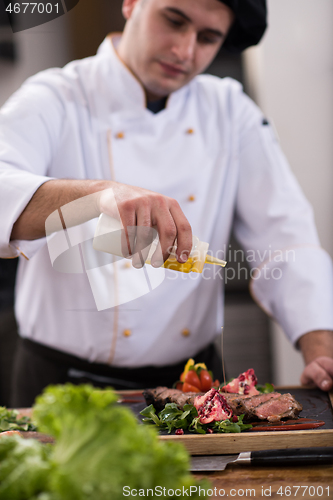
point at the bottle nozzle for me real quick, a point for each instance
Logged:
(213, 260)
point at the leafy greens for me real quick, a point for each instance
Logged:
(100, 448)
(9, 421)
(172, 418)
(265, 389)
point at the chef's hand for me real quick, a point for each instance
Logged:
(317, 350)
(320, 373)
(140, 210)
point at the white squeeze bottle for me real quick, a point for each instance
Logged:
(108, 236)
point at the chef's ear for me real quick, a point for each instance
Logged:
(128, 7)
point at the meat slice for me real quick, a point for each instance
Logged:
(248, 405)
(275, 409)
(153, 395)
(235, 402)
(160, 396)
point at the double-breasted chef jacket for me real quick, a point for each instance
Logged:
(213, 151)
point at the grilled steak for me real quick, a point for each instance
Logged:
(275, 409)
(272, 407)
(235, 402)
(160, 396)
(248, 405)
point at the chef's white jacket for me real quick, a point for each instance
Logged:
(211, 150)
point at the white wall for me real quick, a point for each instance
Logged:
(291, 77)
(38, 48)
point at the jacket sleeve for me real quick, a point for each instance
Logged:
(291, 275)
(30, 125)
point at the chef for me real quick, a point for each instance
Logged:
(136, 127)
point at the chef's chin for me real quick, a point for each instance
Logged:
(162, 86)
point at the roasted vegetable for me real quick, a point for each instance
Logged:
(196, 378)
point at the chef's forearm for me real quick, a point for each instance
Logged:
(316, 344)
(51, 196)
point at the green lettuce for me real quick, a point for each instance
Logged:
(100, 447)
(9, 421)
(25, 467)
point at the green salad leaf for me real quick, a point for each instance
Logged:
(62, 409)
(230, 426)
(172, 418)
(265, 389)
(101, 447)
(25, 467)
(9, 421)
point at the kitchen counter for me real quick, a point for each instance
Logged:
(242, 481)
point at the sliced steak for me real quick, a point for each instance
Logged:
(160, 396)
(235, 401)
(152, 395)
(275, 409)
(272, 407)
(248, 405)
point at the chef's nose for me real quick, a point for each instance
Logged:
(185, 48)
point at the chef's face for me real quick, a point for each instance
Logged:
(166, 43)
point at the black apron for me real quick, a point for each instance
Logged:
(37, 366)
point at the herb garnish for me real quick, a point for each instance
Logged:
(172, 418)
(10, 422)
(265, 389)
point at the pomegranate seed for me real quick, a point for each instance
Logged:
(235, 418)
(179, 432)
(241, 377)
(210, 431)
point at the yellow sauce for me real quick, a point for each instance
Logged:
(187, 267)
(172, 263)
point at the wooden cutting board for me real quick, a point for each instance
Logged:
(316, 405)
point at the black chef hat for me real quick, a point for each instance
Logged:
(249, 25)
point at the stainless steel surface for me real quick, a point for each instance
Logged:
(244, 458)
(211, 462)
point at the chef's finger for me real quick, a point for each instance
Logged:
(128, 233)
(167, 233)
(157, 257)
(327, 363)
(314, 373)
(144, 236)
(107, 203)
(184, 232)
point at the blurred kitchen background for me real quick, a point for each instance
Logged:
(289, 75)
